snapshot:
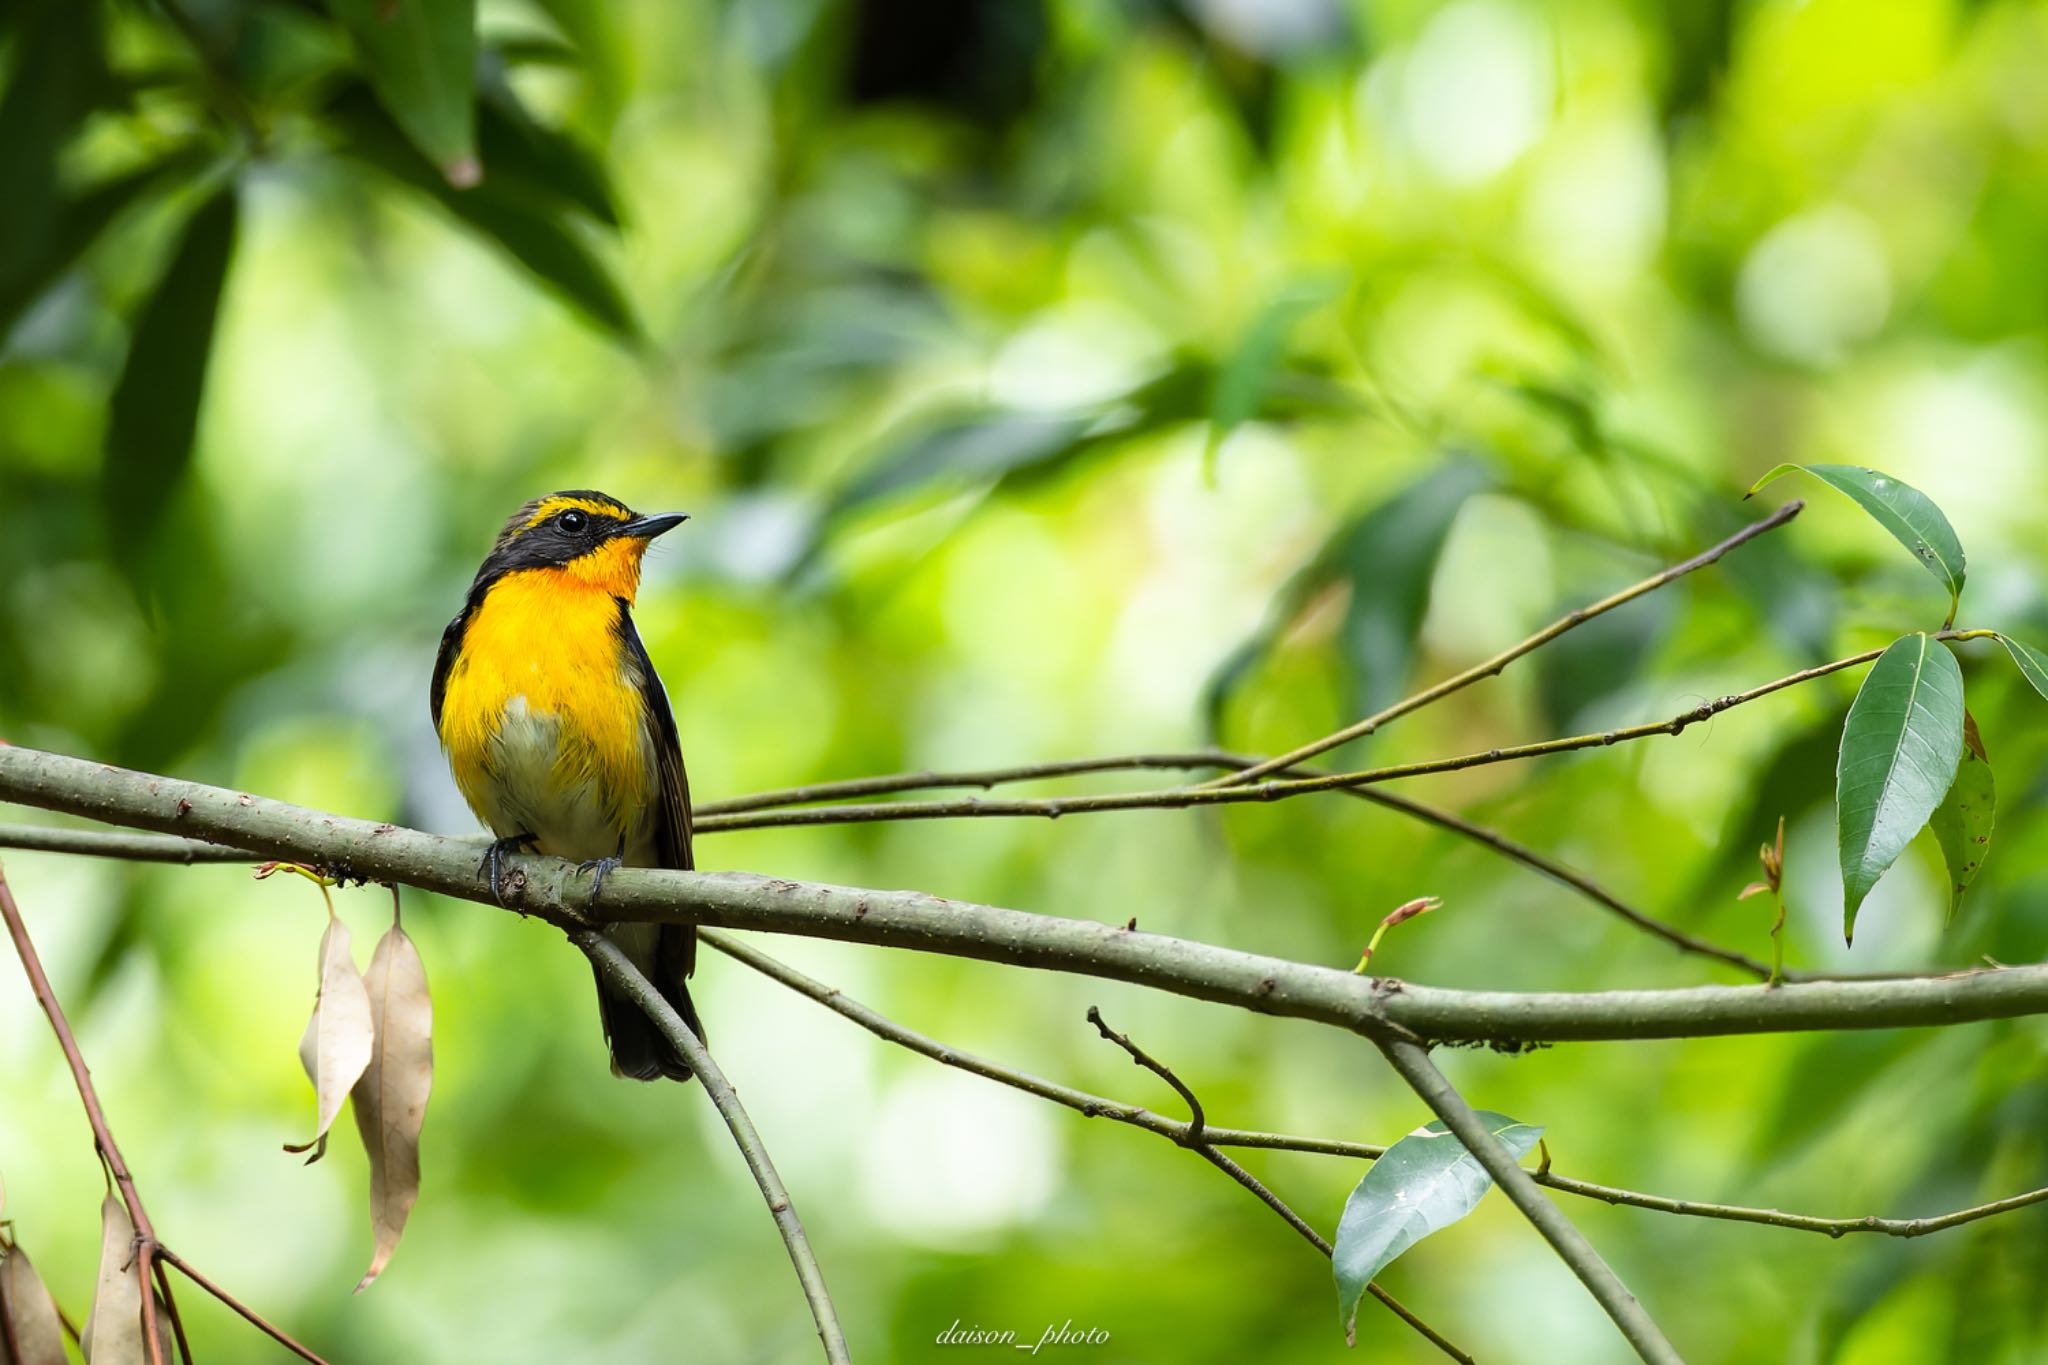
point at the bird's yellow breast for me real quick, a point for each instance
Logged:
(542, 720)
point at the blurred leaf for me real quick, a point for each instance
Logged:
(970, 450)
(1900, 748)
(593, 29)
(1247, 375)
(339, 1038)
(31, 1314)
(391, 1097)
(113, 1332)
(1425, 1182)
(1582, 668)
(2031, 662)
(1388, 556)
(1005, 447)
(57, 75)
(1910, 515)
(154, 413)
(1963, 822)
(523, 156)
(534, 234)
(420, 57)
(80, 219)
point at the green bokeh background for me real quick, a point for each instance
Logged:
(1011, 360)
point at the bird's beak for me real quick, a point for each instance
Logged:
(647, 528)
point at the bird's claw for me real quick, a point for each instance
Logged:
(491, 869)
(600, 868)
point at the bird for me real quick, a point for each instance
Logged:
(560, 735)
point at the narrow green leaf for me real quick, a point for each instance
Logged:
(1388, 556)
(1390, 560)
(524, 156)
(57, 75)
(2031, 662)
(1963, 822)
(1425, 1182)
(420, 57)
(1900, 748)
(1248, 372)
(154, 412)
(1910, 515)
(534, 233)
(80, 219)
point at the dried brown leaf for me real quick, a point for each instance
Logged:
(113, 1332)
(335, 1047)
(391, 1097)
(31, 1314)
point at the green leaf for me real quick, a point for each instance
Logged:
(1388, 555)
(1900, 749)
(1425, 1182)
(533, 232)
(1962, 823)
(58, 73)
(2032, 663)
(80, 219)
(154, 412)
(1905, 511)
(546, 165)
(1242, 383)
(420, 57)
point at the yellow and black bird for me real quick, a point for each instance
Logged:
(560, 734)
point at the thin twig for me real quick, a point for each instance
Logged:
(163, 1283)
(1180, 1133)
(1492, 667)
(1177, 1131)
(1275, 790)
(621, 974)
(1197, 1121)
(102, 1135)
(1412, 1062)
(1196, 1139)
(249, 1315)
(1831, 1227)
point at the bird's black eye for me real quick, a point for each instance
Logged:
(575, 522)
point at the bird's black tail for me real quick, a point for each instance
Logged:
(664, 953)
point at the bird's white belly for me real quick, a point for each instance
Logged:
(523, 794)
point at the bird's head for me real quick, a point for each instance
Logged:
(590, 539)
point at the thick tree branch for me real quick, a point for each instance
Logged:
(1412, 1061)
(168, 849)
(906, 919)
(616, 968)
(1493, 667)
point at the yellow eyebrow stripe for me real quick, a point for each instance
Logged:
(550, 506)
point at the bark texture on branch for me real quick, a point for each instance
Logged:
(1375, 1007)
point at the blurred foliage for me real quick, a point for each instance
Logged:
(1022, 362)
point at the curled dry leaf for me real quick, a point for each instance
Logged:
(336, 1044)
(32, 1324)
(113, 1331)
(391, 1097)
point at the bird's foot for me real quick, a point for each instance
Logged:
(491, 869)
(599, 868)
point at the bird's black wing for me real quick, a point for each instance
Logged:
(444, 662)
(638, 1049)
